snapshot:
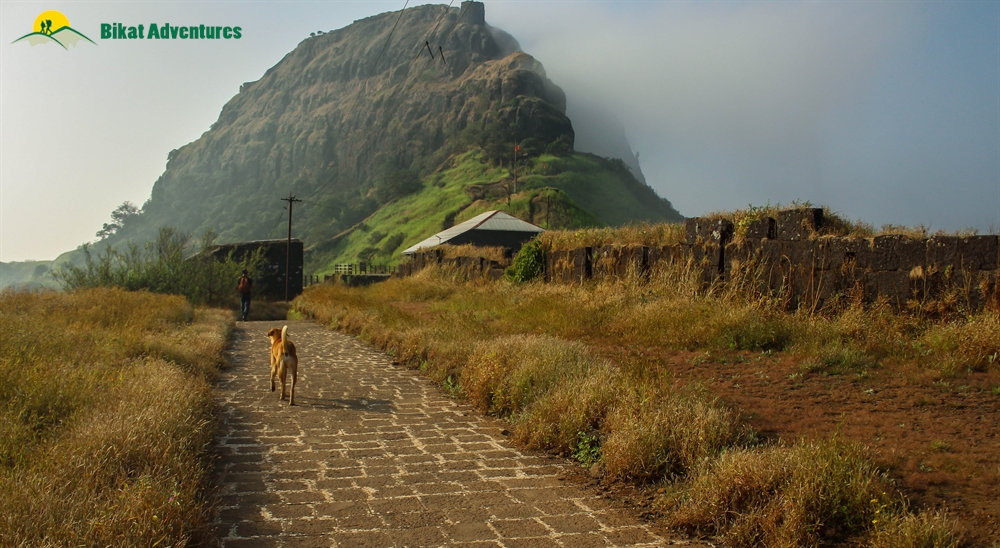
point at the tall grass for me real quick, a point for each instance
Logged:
(784, 495)
(514, 352)
(662, 234)
(105, 415)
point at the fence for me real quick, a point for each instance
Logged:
(358, 269)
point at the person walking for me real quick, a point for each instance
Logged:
(245, 287)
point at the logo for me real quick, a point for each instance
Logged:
(53, 26)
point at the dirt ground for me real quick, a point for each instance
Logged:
(940, 439)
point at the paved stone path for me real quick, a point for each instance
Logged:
(374, 455)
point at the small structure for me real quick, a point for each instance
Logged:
(490, 229)
(270, 282)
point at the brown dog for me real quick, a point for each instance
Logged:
(283, 360)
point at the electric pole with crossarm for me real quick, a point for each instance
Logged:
(288, 252)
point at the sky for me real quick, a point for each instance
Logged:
(886, 111)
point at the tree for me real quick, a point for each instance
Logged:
(396, 184)
(119, 216)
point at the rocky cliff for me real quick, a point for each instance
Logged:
(359, 117)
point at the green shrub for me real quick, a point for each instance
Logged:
(160, 266)
(528, 264)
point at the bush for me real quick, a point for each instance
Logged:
(392, 243)
(396, 184)
(160, 267)
(528, 264)
(784, 496)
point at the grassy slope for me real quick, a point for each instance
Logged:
(104, 421)
(581, 187)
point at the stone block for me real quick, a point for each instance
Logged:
(829, 253)
(760, 229)
(633, 259)
(691, 230)
(912, 253)
(739, 254)
(605, 261)
(707, 254)
(857, 253)
(801, 252)
(827, 285)
(680, 253)
(942, 250)
(977, 253)
(707, 230)
(895, 286)
(583, 263)
(798, 224)
(653, 256)
(885, 255)
(771, 251)
(800, 281)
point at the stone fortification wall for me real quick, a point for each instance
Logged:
(788, 256)
(270, 281)
(471, 267)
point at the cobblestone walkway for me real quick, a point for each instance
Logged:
(374, 455)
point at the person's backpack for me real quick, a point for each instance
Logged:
(244, 285)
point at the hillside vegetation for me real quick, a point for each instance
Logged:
(378, 138)
(107, 413)
(552, 192)
(616, 374)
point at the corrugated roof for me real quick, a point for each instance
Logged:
(491, 220)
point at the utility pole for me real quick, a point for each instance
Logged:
(288, 250)
(517, 113)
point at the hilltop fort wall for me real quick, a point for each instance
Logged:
(788, 257)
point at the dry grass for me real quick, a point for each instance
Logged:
(107, 413)
(648, 234)
(511, 351)
(661, 234)
(783, 496)
(497, 254)
(929, 529)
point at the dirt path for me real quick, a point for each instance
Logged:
(374, 455)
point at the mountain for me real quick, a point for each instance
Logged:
(397, 125)
(27, 275)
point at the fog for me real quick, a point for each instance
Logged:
(886, 112)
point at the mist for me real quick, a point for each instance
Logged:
(886, 112)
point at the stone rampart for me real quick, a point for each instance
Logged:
(470, 267)
(788, 256)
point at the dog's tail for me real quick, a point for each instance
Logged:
(284, 351)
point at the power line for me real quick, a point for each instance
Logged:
(281, 217)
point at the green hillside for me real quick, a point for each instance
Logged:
(550, 192)
(386, 145)
(27, 274)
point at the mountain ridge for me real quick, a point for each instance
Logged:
(351, 135)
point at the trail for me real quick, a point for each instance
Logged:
(374, 455)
